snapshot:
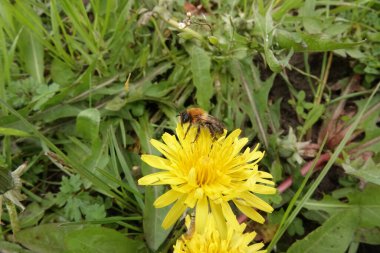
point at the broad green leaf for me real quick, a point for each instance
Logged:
(100, 240)
(87, 124)
(368, 202)
(13, 132)
(334, 236)
(303, 42)
(46, 238)
(200, 68)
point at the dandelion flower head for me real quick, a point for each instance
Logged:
(211, 241)
(207, 174)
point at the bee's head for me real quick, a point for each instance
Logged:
(184, 117)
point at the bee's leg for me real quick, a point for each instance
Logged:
(212, 131)
(198, 132)
(187, 130)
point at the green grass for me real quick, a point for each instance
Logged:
(84, 86)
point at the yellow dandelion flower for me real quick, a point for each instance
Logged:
(206, 174)
(211, 241)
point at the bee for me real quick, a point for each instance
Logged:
(200, 118)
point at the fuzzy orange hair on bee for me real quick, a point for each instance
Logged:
(198, 117)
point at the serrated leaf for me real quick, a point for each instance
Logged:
(100, 240)
(200, 68)
(334, 236)
(87, 124)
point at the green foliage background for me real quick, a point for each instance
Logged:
(85, 85)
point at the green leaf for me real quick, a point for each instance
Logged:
(32, 53)
(13, 247)
(213, 40)
(100, 240)
(94, 212)
(369, 171)
(296, 227)
(312, 117)
(13, 132)
(272, 61)
(45, 238)
(368, 202)
(87, 124)
(59, 112)
(286, 6)
(303, 42)
(200, 68)
(115, 104)
(61, 72)
(368, 235)
(369, 125)
(155, 235)
(312, 25)
(44, 92)
(335, 235)
(31, 215)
